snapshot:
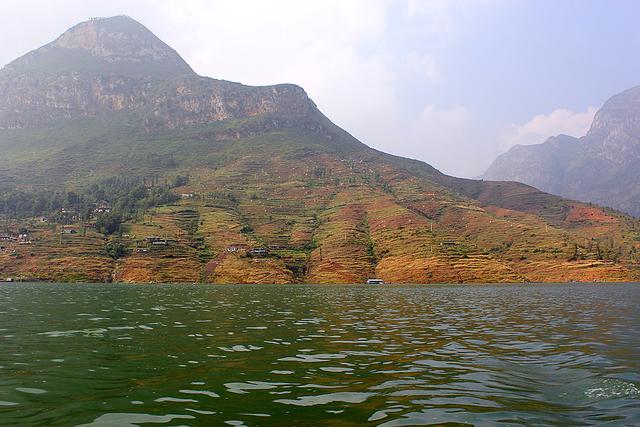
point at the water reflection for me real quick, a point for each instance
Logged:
(345, 355)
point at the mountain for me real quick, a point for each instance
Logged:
(107, 66)
(121, 164)
(600, 167)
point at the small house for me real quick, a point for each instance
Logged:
(102, 207)
(187, 195)
(258, 252)
(23, 239)
(157, 241)
(67, 230)
(237, 247)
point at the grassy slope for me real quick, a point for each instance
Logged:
(336, 210)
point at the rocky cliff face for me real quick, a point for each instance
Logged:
(600, 167)
(615, 132)
(115, 64)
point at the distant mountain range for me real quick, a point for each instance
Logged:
(601, 167)
(119, 163)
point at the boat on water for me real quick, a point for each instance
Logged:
(375, 282)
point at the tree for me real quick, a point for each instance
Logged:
(180, 181)
(108, 223)
(115, 250)
(576, 253)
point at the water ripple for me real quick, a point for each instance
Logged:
(306, 355)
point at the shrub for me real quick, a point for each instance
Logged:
(115, 250)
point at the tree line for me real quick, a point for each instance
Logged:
(127, 197)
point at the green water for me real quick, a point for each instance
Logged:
(123, 355)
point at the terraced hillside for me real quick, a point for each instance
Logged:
(268, 190)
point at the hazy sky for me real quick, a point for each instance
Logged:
(450, 82)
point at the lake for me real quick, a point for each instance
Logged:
(124, 355)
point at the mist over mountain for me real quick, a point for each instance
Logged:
(125, 165)
(600, 167)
